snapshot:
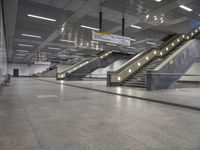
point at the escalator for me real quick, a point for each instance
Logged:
(139, 78)
(49, 72)
(135, 72)
(82, 69)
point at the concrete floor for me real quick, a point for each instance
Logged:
(37, 115)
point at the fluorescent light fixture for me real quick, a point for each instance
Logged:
(54, 48)
(133, 40)
(73, 50)
(63, 40)
(20, 55)
(45, 53)
(87, 27)
(185, 8)
(94, 42)
(131, 47)
(110, 44)
(151, 43)
(23, 51)
(40, 17)
(30, 35)
(17, 57)
(137, 27)
(25, 45)
(116, 51)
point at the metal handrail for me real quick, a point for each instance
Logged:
(74, 66)
(137, 57)
(174, 42)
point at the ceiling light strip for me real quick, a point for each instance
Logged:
(30, 35)
(40, 17)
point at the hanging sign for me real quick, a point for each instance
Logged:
(111, 38)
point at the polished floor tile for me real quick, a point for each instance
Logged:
(80, 119)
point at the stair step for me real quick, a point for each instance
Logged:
(138, 81)
(134, 85)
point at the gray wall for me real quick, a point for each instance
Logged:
(195, 70)
(3, 55)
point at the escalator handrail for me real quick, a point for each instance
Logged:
(74, 66)
(140, 55)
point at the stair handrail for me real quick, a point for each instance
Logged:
(138, 56)
(157, 53)
(69, 68)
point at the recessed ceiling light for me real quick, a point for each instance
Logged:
(87, 27)
(25, 45)
(40, 17)
(54, 48)
(137, 27)
(185, 8)
(158, 0)
(30, 35)
(63, 40)
(151, 43)
(147, 16)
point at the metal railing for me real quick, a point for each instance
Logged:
(80, 65)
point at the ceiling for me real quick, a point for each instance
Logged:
(71, 14)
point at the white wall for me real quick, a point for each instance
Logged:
(3, 55)
(194, 70)
(26, 70)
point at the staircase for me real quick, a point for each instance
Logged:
(139, 78)
(136, 71)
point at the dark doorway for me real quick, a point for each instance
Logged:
(15, 72)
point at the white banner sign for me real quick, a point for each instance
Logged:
(111, 38)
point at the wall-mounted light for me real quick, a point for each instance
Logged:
(147, 58)
(155, 52)
(118, 78)
(138, 64)
(166, 48)
(129, 70)
(161, 53)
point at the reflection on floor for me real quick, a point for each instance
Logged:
(37, 115)
(188, 95)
